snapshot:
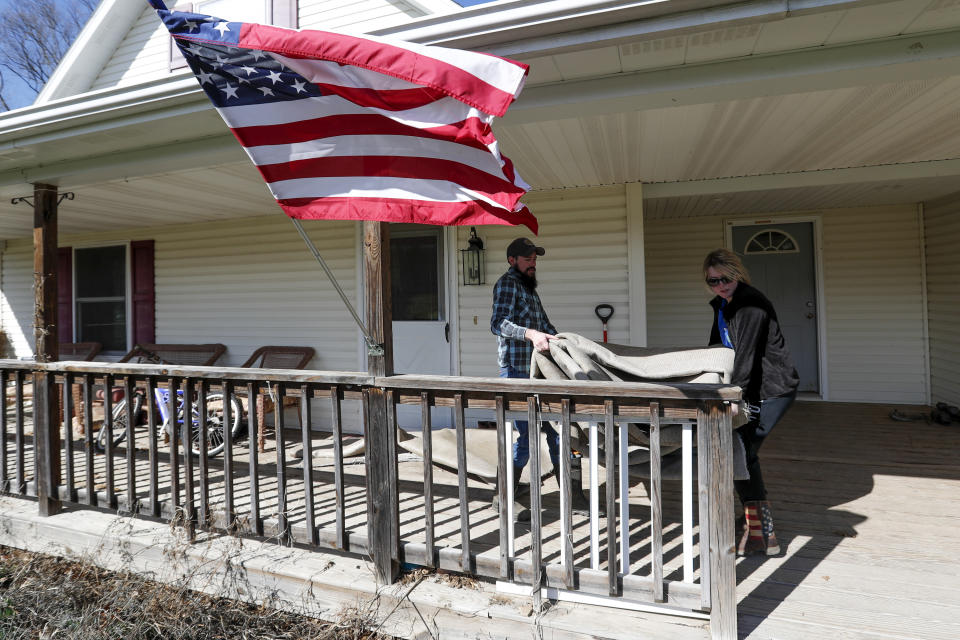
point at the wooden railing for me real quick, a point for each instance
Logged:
(388, 506)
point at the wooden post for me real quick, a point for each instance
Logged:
(379, 432)
(46, 347)
(723, 575)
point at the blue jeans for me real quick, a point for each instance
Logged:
(521, 448)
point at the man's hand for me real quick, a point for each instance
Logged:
(540, 340)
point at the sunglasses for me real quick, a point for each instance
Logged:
(713, 282)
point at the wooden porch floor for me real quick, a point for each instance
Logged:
(865, 509)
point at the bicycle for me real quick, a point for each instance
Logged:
(212, 421)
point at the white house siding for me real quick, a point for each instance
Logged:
(872, 287)
(16, 288)
(942, 235)
(145, 52)
(245, 283)
(143, 55)
(677, 313)
(584, 232)
(874, 296)
(362, 17)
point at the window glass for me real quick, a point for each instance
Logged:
(415, 262)
(101, 296)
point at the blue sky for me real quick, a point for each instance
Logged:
(17, 93)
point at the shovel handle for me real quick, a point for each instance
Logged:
(604, 311)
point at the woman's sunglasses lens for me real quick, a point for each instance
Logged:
(715, 281)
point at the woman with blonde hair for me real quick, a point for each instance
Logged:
(744, 320)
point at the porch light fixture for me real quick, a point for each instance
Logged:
(472, 259)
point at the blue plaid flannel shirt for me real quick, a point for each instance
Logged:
(516, 308)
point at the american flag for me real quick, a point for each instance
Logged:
(345, 127)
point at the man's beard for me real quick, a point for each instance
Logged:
(530, 281)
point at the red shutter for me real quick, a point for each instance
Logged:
(144, 297)
(65, 294)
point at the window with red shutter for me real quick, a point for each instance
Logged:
(93, 300)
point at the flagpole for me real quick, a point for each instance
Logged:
(373, 348)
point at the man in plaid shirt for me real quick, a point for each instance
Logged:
(521, 325)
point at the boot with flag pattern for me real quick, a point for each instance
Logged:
(758, 536)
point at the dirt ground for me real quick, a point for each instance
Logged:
(45, 597)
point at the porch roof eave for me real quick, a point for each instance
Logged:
(43, 142)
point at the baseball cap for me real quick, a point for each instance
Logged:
(523, 247)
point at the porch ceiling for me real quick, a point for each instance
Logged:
(853, 105)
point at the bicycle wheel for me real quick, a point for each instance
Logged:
(213, 424)
(118, 422)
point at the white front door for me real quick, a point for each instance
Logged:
(421, 327)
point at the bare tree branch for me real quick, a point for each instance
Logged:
(34, 36)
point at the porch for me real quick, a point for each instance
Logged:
(863, 506)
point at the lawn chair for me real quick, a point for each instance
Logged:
(201, 355)
(274, 357)
(79, 351)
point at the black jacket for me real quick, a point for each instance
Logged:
(762, 366)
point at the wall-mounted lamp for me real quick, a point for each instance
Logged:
(472, 259)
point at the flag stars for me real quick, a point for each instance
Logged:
(250, 70)
(267, 91)
(191, 26)
(222, 28)
(230, 91)
(205, 77)
(299, 86)
(195, 49)
(257, 54)
(274, 77)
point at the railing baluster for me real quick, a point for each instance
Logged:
(229, 508)
(536, 516)
(283, 525)
(566, 518)
(4, 480)
(203, 445)
(426, 422)
(20, 440)
(594, 496)
(152, 446)
(337, 414)
(108, 443)
(503, 461)
(132, 502)
(460, 424)
(610, 446)
(256, 522)
(704, 472)
(656, 506)
(88, 438)
(174, 434)
(68, 410)
(624, 477)
(189, 504)
(306, 393)
(686, 440)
